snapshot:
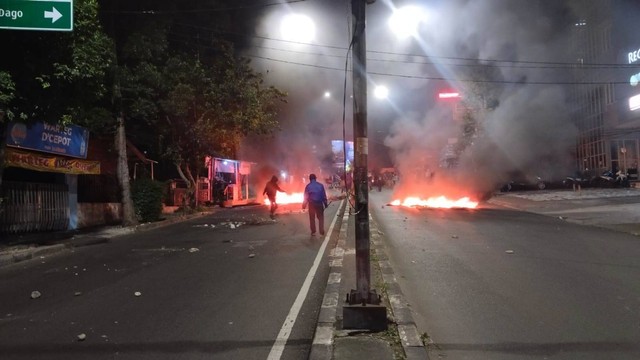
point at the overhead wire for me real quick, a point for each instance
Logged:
(471, 62)
(201, 10)
(424, 77)
(475, 61)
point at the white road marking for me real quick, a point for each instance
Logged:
(278, 347)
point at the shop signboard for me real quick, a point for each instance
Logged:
(68, 140)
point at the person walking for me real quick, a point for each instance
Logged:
(316, 198)
(271, 189)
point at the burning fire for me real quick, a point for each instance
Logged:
(284, 198)
(437, 202)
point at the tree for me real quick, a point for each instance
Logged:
(187, 104)
(56, 77)
(7, 94)
(209, 108)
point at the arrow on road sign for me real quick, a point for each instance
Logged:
(54, 15)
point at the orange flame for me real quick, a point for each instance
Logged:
(285, 198)
(437, 202)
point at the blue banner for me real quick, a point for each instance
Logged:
(68, 140)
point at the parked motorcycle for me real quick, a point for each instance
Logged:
(580, 179)
(611, 179)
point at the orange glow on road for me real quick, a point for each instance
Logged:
(285, 198)
(440, 202)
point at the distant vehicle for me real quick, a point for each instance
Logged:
(522, 181)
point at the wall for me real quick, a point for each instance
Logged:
(96, 214)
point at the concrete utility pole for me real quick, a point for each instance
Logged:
(364, 310)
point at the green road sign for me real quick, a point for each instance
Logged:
(47, 15)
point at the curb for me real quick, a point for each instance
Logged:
(412, 344)
(30, 253)
(322, 346)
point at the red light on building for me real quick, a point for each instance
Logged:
(448, 95)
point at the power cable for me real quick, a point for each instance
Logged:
(205, 10)
(476, 61)
(436, 78)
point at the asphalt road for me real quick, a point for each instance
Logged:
(496, 283)
(224, 286)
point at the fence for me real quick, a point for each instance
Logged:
(31, 207)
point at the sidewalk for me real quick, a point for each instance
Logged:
(615, 209)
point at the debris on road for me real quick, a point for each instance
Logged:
(510, 251)
(192, 250)
(77, 293)
(137, 293)
(82, 337)
(35, 294)
(252, 255)
(454, 236)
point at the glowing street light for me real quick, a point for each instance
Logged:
(405, 21)
(327, 94)
(381, 92)
(298, 28)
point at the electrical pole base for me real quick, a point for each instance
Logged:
(364, 314)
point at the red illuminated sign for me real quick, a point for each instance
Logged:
(448, 95)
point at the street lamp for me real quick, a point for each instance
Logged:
(298, 28)
(381, 92)
(405, 21)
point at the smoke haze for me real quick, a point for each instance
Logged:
(527, 126)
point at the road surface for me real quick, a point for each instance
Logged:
(224, 286)
(497, 283)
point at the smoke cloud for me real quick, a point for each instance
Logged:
(521, 113)
(497, 53)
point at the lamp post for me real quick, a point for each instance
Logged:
(364, 310)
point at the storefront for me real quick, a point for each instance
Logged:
(40, 182)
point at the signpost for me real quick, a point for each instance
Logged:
(44, 15)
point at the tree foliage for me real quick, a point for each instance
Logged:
(185, 101)
(58, 76)
(170, 76)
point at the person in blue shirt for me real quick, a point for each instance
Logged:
(316, 198)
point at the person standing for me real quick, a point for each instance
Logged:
(271, 189)
(316, 198)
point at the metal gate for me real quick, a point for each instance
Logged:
(32, 207)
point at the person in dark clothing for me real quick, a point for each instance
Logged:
(316, 198)
(271, 189)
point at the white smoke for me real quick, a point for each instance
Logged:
(530, 129)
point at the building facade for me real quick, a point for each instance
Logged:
(606, 92)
